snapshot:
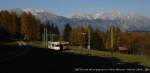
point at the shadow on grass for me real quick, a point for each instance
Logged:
(46, 60)
(7, 50)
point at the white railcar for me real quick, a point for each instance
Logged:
(58, 45)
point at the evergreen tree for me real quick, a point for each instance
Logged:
(53, 31)
(66, 32)
(57, 33)
(96, 40)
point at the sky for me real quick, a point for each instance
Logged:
(69, 7)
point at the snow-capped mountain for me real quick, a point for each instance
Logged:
(99, 15)
(103, 20)
(45, 16)
(100, 20)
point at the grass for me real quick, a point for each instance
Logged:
(144, 60)
(35, 43)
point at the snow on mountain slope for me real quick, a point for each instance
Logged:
(45, 16)
(100, 20)
(99, 15)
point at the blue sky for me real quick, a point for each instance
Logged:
(69, 7)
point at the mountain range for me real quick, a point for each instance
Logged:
(99, 20)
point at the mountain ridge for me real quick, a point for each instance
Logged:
(99, 20)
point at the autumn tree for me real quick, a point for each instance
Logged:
(6, 20)
(30, 26)
(77, 36)
(10, 22)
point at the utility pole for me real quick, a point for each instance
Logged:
(111, 39)
(89, 40)
(42, 40)
(45, 38)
